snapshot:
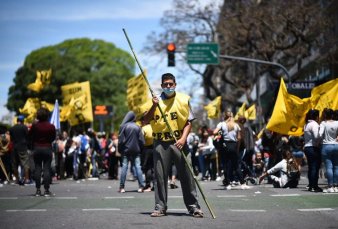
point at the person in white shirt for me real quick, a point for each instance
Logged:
(329, 133)
(282, 180)
(312, 149)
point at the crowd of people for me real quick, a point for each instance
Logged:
(231, 153)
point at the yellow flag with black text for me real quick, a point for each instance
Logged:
(325, 95)
(214, 108)
(288, 116)
(78, 103)
(137, 93)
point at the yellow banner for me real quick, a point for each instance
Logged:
(137, 93)
(325, 95)
(214, 108)
(288, 116)
(81, 107)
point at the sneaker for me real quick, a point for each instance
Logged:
(244, 186)
(38, 192)
(47, 193)
(335, 189)
(329, 190)
(218, 178)
(140, 190)
(316, 189)
(147, 189)
(121, 190)
(228, 187)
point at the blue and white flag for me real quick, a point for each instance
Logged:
(55, 119)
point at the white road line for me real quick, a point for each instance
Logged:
(231, 196)
(8, 198)
(247, 210)
(315, 209)
(101, 209)
(286, 195)
(26, 210)
(177, 210)
(66, 198)
(175, 196)
(119, 197)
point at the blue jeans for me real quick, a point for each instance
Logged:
(136, 162)
(330, 158)
(314, 160)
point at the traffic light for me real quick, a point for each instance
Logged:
(171, 48)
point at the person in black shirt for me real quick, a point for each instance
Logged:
(19, 138)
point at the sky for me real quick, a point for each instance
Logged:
(26, 26)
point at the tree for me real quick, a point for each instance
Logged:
(287, 32)
(103, 64)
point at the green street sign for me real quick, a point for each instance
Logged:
(202, 53)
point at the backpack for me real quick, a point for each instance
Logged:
(218, 141)
(84, 144)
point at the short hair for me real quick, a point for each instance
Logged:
(168, 76)
(42, 114)
(312, 114)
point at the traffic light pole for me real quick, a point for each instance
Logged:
(257, 61)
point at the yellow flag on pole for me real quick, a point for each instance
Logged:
(43, 78)
(81, 110)
(214, 108)
(250, 113)
(137, 93)
(325, 95)
(241, 111)
(288, 116)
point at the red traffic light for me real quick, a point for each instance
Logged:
(171, 47)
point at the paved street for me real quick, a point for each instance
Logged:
(97, 204)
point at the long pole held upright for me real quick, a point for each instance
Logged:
(171, 131)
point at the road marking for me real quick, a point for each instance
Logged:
(315, 209)
(231, 196)
(175, 196)
(286, 195)
(247, 210)
(27, 210)
(119, 197)
(8, 198)
(177, 209)
(66, 198)
(101, 209)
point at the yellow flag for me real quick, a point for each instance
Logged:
(241, 111)
(30, 108)
(81, 110)
(214, 108)
(48, 106)
(43, 78)
(250, 113)
(137, 94)
(325, 95)
(288, 116)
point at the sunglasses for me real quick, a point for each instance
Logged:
(168, 84)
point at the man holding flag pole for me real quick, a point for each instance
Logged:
(179, 115)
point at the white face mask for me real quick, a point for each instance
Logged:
(169, 91)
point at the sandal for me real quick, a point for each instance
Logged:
(157, 213)
(197, 213)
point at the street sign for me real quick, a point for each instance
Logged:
(202, 53)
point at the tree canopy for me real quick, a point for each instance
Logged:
(287, 32)
(76, 60)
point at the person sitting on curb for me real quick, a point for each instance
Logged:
(288, 168)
